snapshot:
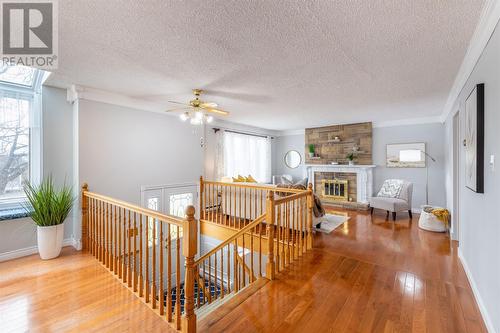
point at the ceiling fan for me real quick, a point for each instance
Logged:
(198, 111)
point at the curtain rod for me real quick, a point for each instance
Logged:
(243, 133)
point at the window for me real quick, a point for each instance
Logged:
(20, 133)
(247, 155)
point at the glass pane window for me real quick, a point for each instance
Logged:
(18, 75)
(152, 203)
(14, 146)
(177, 207)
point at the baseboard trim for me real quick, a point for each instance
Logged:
(475, 292)
(27, 251)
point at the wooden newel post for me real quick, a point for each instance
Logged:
(202, 212)
(310, 203)
(189, 249)
(85, 217)
(270, 268)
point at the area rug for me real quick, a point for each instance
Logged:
(330, 222)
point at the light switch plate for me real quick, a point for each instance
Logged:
(492, 162)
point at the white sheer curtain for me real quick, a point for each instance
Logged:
(242, 154)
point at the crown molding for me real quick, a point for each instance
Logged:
(76, 92)
(406, 122)
(291, 132)
(488, 21)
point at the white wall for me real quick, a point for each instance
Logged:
(57, 130)
(432, 134)
(479, 225)
(121, 149)
(282, 145)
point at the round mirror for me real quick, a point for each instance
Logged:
(292, 159)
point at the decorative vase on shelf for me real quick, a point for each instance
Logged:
(311, 155)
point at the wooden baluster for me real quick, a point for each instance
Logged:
(231, 214)
(243, 260)
(146, 270)
(115, 243)
(108, 238)
(252, 275)
(215, 275)
(99, 227)
(120, 252)
(310, 203)
(301, 223)
(229, 269)
(225, 204)
(141, 280)
(135, 251)
(210, 202)
(153, 267)
(130, 253)
(169, 274)
(105, 235)
(205, 297)
(125, 249)
(288, 230)
(209, 280)
(245, 207)
(161, 295)
(236, 286)
(279, 245)
(202, 211)
(222, 272)
(239, 207)
(189, 249)
(294, 228)
(94, 229)
(178, 281)
(260, 249)
(270, 269)
(91, 225)
(85, 218)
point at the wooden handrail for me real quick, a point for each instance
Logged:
(137, 209)
(254, 223)
(258, 187)
(290, 197)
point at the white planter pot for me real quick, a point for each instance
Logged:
(50, 240)
(351, 162)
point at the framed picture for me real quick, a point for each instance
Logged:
(406, 155)
(474, 139)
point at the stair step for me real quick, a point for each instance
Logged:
(208, 319)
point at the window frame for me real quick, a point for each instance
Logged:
(34, 96)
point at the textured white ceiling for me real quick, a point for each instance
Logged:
(273, 64)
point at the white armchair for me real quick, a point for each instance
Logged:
(394, 196)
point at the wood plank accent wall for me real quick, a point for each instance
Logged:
(359, 134)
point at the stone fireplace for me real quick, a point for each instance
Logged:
(347, 186)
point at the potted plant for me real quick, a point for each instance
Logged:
(351, 157)
(48, 207)
(311, 150)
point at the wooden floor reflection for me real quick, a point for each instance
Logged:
(364, 277)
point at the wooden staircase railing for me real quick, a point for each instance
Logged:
(142, 247)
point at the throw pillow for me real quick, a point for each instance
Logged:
(391, 188)
(302, 182)
(250, 179)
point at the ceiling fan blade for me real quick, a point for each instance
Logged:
(178, 109)
(174, 102)
(216, 111)
(208, 105)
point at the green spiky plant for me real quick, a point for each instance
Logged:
(47, 205)
(351, 156)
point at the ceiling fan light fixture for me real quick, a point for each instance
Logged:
(184, 116)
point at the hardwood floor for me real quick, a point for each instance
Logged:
(72, 293)
(364, 277)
